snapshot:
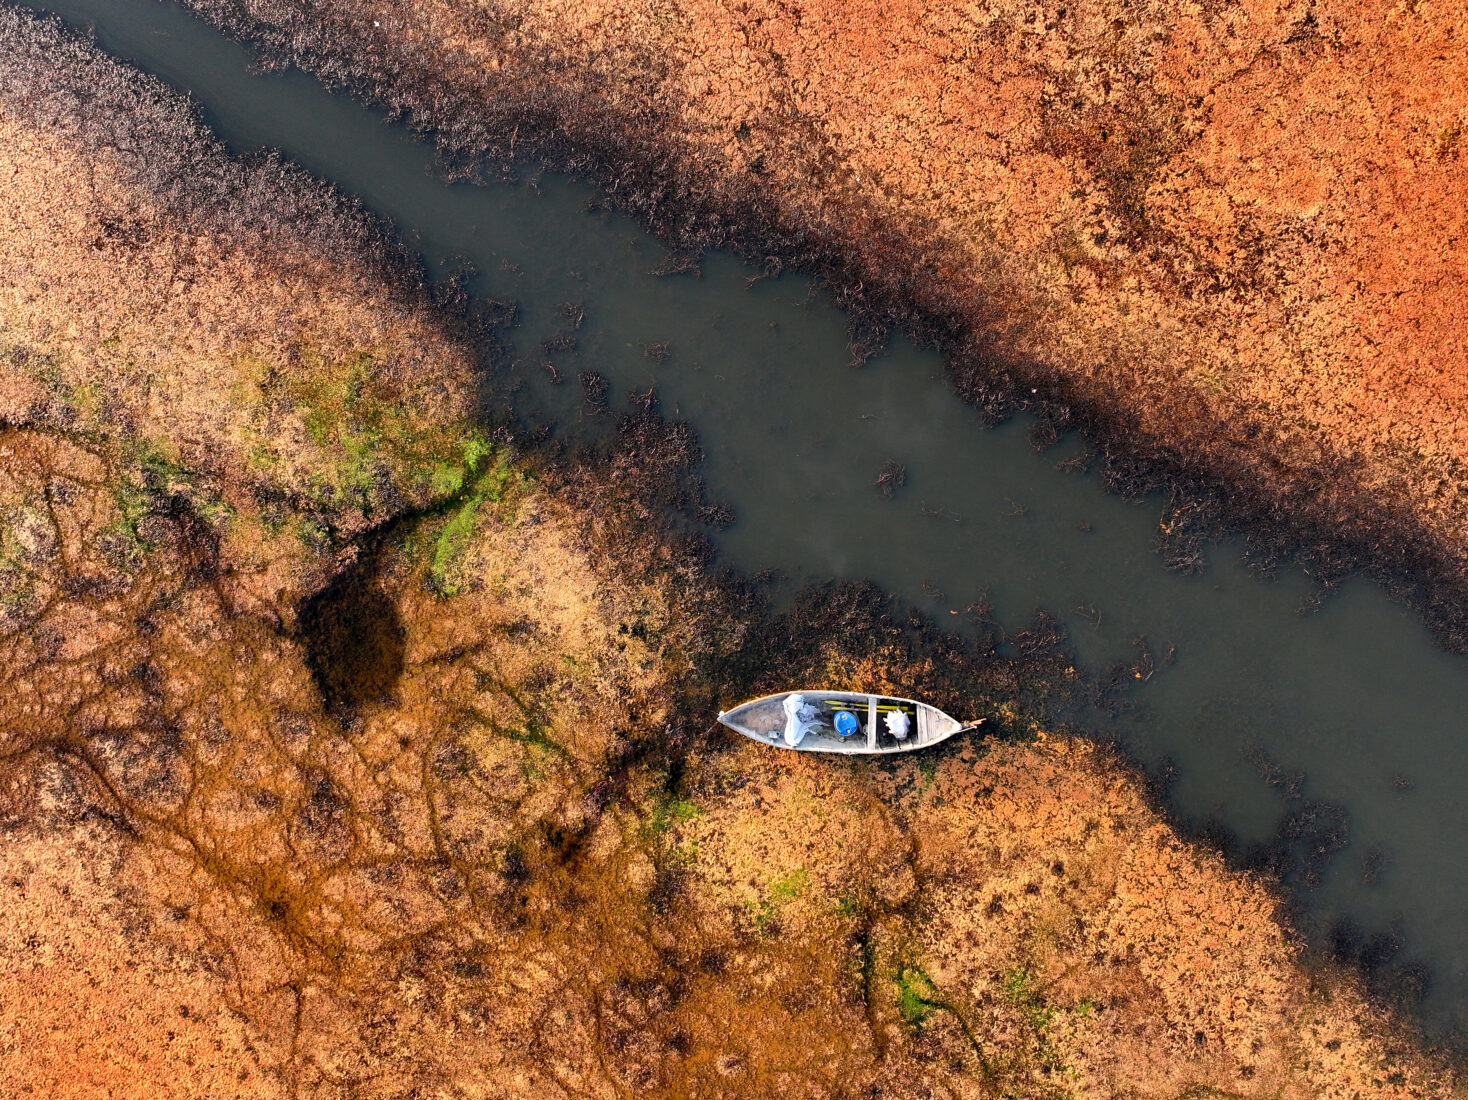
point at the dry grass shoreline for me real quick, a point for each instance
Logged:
(1081, 207)
(331, 774)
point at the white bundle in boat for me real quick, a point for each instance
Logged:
(897, 724)
(800, 718)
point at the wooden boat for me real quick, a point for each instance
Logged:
(878, 723)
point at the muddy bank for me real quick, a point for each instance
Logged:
(1229, 244)
(385, 747)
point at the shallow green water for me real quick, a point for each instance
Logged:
(1263, 711)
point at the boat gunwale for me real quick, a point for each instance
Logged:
(837, 748)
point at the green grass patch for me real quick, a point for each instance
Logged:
(668, 811)
(487, 477)
(365, 432)
(261, 457)
(1039, 1016)
(1019, 990)
(777, 895)
(148, 473)
(917, 997)
(927, 766)
(670, 852)
(790, 887)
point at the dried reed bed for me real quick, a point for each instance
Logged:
(243, 335)
(94, 1004)
(438, 813)
(504, 860)
(1025, 908)
(1227, 242)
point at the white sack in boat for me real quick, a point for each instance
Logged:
(800, 718)
(897, 724)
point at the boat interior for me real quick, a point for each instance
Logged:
(764, 720)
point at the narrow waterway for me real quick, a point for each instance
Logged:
(1341, 729)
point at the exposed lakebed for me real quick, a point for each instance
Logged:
(1334, 731)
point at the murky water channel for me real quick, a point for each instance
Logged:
(1346, 718)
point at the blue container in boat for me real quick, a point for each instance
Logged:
(845, 723)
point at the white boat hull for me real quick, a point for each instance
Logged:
(764, 720)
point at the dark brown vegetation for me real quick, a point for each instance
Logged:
(1226, 243)
(384, 751)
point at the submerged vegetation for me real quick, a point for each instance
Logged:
(397, 741)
